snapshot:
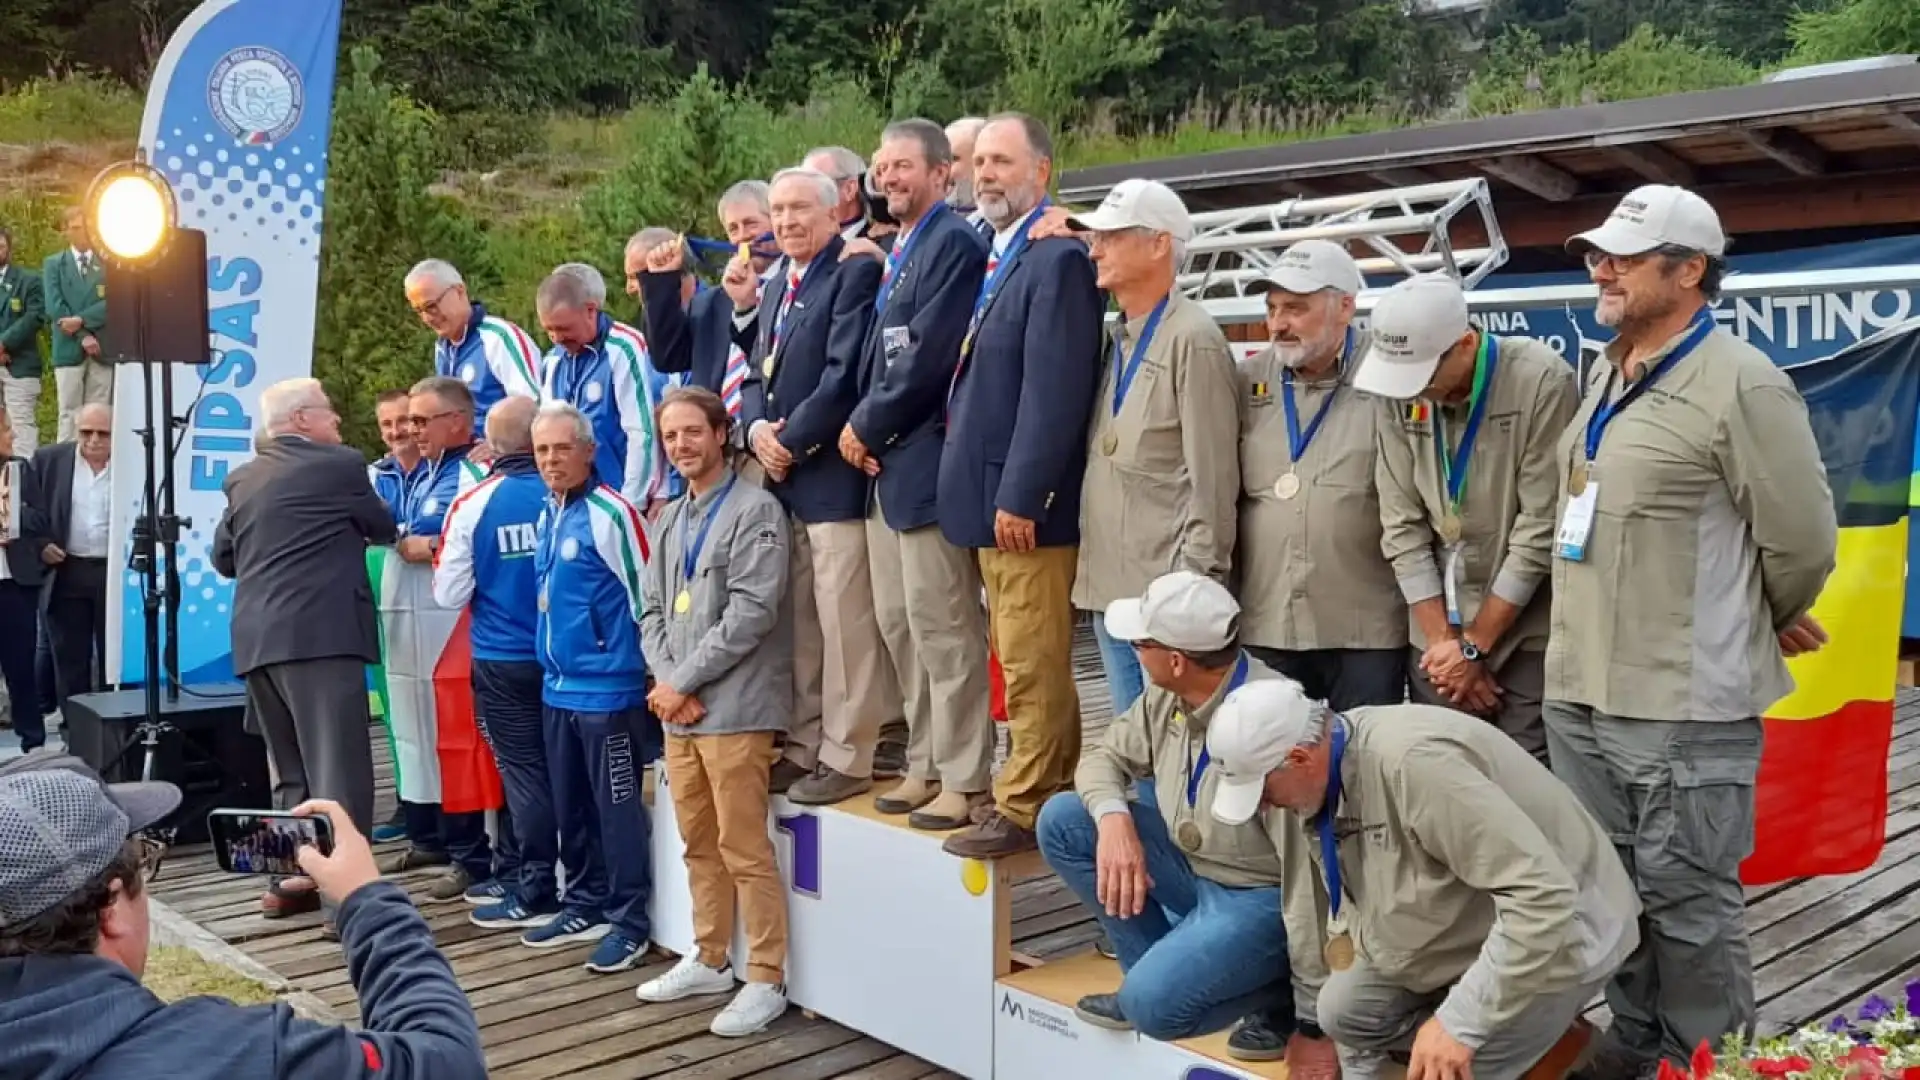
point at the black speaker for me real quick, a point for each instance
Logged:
(206, 754)
(175, 302)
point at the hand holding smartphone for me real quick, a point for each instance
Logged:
(266, 841)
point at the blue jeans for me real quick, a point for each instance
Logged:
(1125, 681)
(506, 696)
(1200, 955)
(596, 764)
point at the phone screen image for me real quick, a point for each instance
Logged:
(265, 842)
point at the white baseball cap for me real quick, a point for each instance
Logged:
(1655, 215)
(1310, 266)
(1181, 610)
(1138, 204)
(1413, 325)
(1249, 736)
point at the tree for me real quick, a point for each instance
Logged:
(1856, 28)
(1520, 74)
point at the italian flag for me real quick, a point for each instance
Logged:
(424, 682)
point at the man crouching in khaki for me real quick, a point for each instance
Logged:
(1467, 905)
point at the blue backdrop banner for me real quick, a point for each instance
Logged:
(237, 119)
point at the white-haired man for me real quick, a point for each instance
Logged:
(708, 332)
(492, 356)
(961, 135)
(1468, 486)
(602, 368)
(1445, 895)
(1696, 529)
(848, 170)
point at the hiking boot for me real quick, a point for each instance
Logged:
(1103, 1011)
(751, 1010)
(449, 886)
(688, 978)
(784, 775)
(949, 810)
(907, 796)
(415, 859)
(996, 837)
(826, 787)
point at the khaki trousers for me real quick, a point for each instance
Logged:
(1030, 616)
(720, 802)
(89, 382)
(21, 398)
(926, 593)
(843, 690)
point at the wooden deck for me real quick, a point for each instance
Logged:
(1819, 945)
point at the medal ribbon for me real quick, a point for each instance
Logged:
(785, 309)
(1124, 373)
(1297, 442)
(990, 285)
(901, 252)
(691, 556)
(1206, 759)
(1453, 463)
(1697, 332)
(1330, 851)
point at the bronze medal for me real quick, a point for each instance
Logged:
(1188, 835)
(1109, 443)
(543, 599)
(1450, 528)
(1577, 480)
(1339, 952)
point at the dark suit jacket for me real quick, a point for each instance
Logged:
(694, 339)
(815, 380)
(294, 540)
(22, 309)
(23, 554)
(1022, 401)
(907, 365)
(53, 473)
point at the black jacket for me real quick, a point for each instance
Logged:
(23, 555)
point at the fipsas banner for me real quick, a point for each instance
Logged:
(237, 119)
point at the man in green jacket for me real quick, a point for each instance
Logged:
(76, 293)
(21, 310)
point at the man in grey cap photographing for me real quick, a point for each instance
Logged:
(75, 929)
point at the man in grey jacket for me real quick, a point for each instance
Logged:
(719, 642)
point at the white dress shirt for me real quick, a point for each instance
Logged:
(92, 510)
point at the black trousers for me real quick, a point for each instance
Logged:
(77, 626)
(19, 631)
(1343, 678)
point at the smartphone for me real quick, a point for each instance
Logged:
(265, 841)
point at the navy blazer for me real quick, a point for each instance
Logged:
(907, 366)
(1022, 401)
(694, 339)
(815, 381)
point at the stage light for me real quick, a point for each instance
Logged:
(130, 213)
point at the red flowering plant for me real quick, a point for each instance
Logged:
(1880, 1042)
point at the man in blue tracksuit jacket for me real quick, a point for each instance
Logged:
(486, 565)
(394, 474)
(495, 358)
(588, 560)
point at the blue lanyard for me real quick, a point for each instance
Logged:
(1124, 373)
(1456, 462)
(897, 258)
(1603, 415)
(1329, 851)
(1297, 443)
(990, 286)
(1206, 759)
(691, 556)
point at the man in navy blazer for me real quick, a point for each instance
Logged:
(927, 590)
(800, 387)
(1016, 450)
(708, 334)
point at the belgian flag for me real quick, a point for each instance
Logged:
(1821, 802)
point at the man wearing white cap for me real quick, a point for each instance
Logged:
(1163, 469)
(1456, 902)
(1695, 531)
(1193, 906)
(1319, 599)
(1468, 484)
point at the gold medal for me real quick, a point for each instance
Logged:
(1577, 481)
(1287, 486)
(543, 599)
(1188, 835)
(766, 368)
(1450, 529)
(1109, 443)
(1339, 952)
(683, 603)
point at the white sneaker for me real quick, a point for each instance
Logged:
(751, 1010)
(689, 978)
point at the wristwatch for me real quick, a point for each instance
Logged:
(1469, 651)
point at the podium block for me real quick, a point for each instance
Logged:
(887, 933)
(1037, 1035)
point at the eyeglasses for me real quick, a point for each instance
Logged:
(423, 421)
(432, 307)
(153, 851)
(95, 433)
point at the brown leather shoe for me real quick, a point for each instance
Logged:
(994, 838)
(907, 796)
(281, 902)
(1566, 1054)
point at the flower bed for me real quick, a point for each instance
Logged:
(1881, 1043)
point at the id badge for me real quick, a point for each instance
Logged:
(893, 341)
(1450, 579)
(1576, 525)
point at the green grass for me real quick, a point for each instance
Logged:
(74, 109)
(174, 973)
